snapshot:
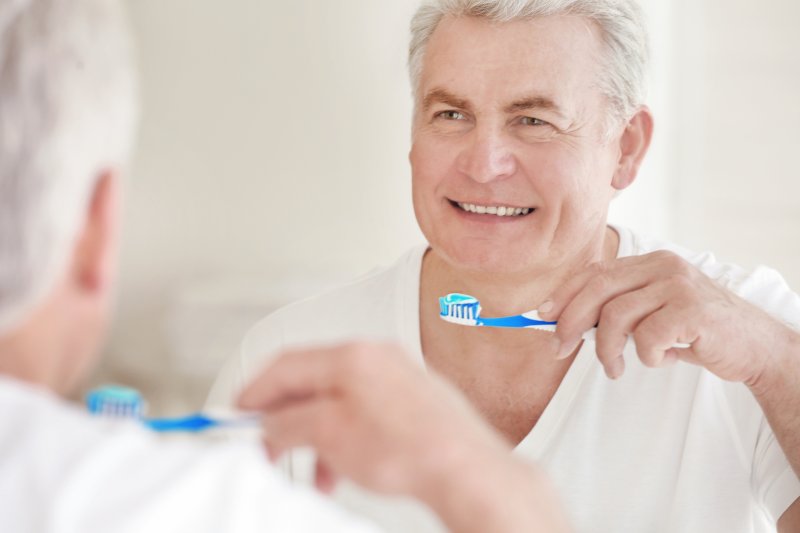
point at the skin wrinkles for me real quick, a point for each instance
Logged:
(543, 108)
(562, 145)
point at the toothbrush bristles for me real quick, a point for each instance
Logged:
(465, 311)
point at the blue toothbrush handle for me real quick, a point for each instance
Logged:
(518, 321)
(195, 423)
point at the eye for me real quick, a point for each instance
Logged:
(531, 121)
(450, 115)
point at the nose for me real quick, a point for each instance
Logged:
(487, 157)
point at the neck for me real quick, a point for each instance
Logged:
(19, 358)
(518, 292)
(38, 351)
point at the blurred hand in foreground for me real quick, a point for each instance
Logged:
(376, 417)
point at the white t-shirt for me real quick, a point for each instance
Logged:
(64, 471)
(660, 450)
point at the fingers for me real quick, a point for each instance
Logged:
(310, 423)
(273, 454)
(322, 371)
(325, 479)
(295, 375)
(629, 296)
(618, 319)
(617, 297)
(615, 367)
(606, 271)
(578, 303)
(656, 335)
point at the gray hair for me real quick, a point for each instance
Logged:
(621, 23)
(67, 114)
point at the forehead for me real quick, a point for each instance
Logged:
(558, 57)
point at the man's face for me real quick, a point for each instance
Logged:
(510, 116)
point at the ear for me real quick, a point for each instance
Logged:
(633, 144)
(95, 251)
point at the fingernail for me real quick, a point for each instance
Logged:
(272, 454)
(670, 359)
(566, 349)
(546, 307)
(615, 368)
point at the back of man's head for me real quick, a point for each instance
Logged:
(67, 114)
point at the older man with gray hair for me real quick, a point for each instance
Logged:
(67, 113)
(682, 413)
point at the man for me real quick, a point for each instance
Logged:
(66, 123)
(529, 117)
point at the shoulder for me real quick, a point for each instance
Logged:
(373, 306)
(32, 410)
(762, 286)
(132, 463)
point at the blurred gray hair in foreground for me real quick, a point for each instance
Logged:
(67, 114)
(621, 24)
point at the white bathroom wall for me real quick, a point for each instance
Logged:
(272, 159)
(647, 204)
(737, 179)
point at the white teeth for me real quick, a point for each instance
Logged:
(501, 211)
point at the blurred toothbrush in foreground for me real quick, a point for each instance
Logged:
(123, 402)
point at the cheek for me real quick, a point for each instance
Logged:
(421, 186)
(430, 170)
(430, 167)
(569, 176)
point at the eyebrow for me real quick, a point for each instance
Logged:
(530, 102)
(534, 102)
(444, 97)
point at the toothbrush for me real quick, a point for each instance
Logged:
(465, 310)
(197, 422)
(122, 402)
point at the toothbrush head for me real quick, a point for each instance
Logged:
(115, 402)
(460, 309)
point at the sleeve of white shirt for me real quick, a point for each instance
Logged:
(258, 347)
(775, 484)
(260, 344)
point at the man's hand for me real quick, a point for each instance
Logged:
(370, 412)
(374, 416)
(661, 300)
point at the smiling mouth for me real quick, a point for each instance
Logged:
(493, 210)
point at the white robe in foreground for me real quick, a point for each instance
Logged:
(62, 471)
